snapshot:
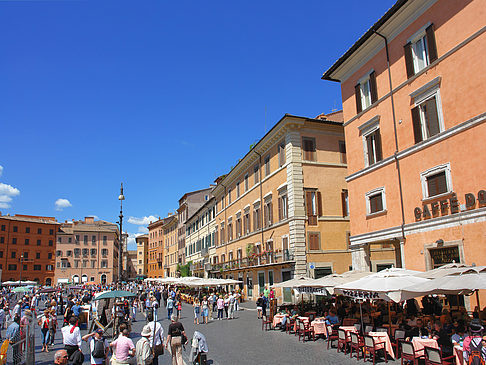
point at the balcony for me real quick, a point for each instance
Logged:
(254, 260)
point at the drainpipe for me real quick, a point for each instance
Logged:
(395, 154)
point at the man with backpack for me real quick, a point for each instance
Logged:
(474, 348)
(98, 347)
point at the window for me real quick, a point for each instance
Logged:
(26, 241)
(15, 228)
(69, 253)
(51, 232)
(230, 231)
(93, 264)
(345, 202)
(39, 230)
(77, 238)
(38, 242)
(365, 92)
(51, 243)
(229, 196)
(420, 51)
(268, 213)
(313, 202)
(70, 240)
(309, 149)
(267, 165)
(256, 174)
(2, 239)
(12, 267)
(49, 255)
(27, 229)
(238, 226)
(85, 240)
(246, 222)
(1, 254)
(436, 181)
(314, 241)
(222, 202)
(37, 267)
(246, 182)
(93, 240)
(427, 120)
(256, 217)
(104, 264)
(371, 141)
(13, 254)
(58, 253)
(85, 252)
(14, 241)
(104, 252)
(281, 154)
(3, 227)
(221, 233)
(342, 152)
(26, 255)
(77, 252)
(59, 239)
(237, 189)
(104, 240)
(376, 201)
(93, 252)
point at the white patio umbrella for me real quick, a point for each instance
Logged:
(299, 282)
(332, 280)
(387, 284)
(456, 284)
(447, 269)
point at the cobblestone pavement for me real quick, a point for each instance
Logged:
(231, 342)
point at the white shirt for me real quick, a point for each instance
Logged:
(71, 339)
(159, 333)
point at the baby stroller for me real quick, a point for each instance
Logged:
(199, 349)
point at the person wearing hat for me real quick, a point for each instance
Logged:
(143, 351)
(96, 341)
(473, 344)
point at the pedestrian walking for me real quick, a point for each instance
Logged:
(179, 309)
(176, 337)
(134, 309)
(52, 326)
(156, 338)
(13, 336)
(43, 322)
(197, 308)
(143, 350)
(169, 307)
(220, 304)
(205, 310)
(124, 349)
(226, 305)
(71, 338)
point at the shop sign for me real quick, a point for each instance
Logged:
(449, 206)
(311, 290)
(361, 294)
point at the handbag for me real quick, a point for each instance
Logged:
(159, 349)
(183, 339)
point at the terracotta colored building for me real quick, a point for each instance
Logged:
(155, 249)
(282, 210)
(87, 251)
(27, 247)
(414, 123)
(142, 255)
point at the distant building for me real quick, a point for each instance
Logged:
(27, 248)
(142, 255)
(130, 270)
(87, 251)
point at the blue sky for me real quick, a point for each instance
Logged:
(162, 95)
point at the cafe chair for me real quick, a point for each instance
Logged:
(433, 356)
(382, 329)
(409, 353)
(399, 335)
(357, 344)
(368, 329)
(306, 329)
(332, 335)
(372, 347)
(358, 327)
(266, 323)
(297, 326)
(342, 341)
(289, 326)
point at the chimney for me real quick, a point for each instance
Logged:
(88, 220)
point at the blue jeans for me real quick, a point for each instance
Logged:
(45, 336)
(169, 312)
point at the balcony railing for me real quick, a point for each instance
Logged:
(255, 259)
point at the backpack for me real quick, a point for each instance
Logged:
(99, 349)
(475, 352)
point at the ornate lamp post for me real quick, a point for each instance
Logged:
(121, 198)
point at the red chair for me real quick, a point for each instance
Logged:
(433, 356)
(266, 323)
(409, 353)
(399, 335)
(332, 335)
(289, 326)
(373, 347)
(356, 343)
(342, 340)
(306, 329)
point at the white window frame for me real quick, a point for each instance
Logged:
(424, 93)
(371, 193)
(366, 129)
(433, 171)
(365, 80)
(419, 36)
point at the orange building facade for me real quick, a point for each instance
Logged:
(414, 126)
(27, 248)
(155, 249)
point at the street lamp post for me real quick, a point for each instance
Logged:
(121, 198)
(21, 267)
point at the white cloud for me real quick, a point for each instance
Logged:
(7, 192)
(131, 243)
(1, 170)
(143, 230)
(62, 203)
(144, 221)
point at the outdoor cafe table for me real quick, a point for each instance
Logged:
(302, 319)
(348, 329)
(420, 343)
(319, 326)
(277, 319)
(383, 337)
(459, 356)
